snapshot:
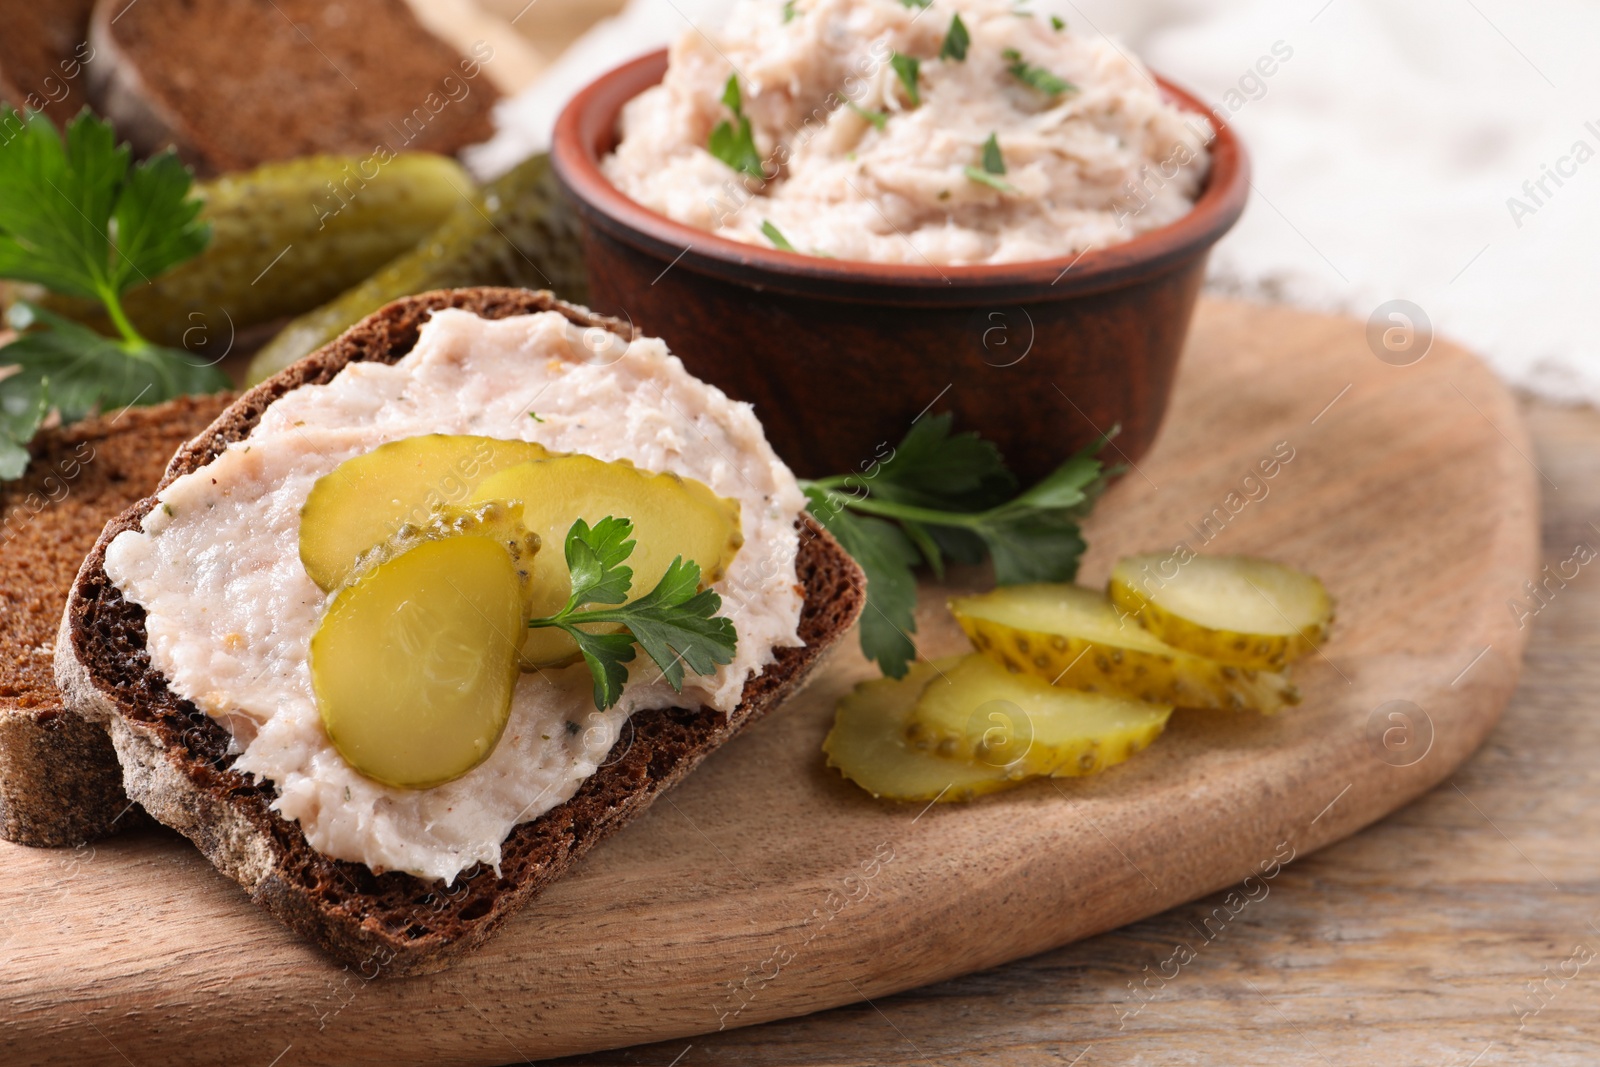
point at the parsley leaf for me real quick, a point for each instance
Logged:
(733, 142)
(886, 556)
(878, 119)
(607, 656)
(1033, 538)
(78, 370)
(991, 180)
(1057, 23)
(77, 218)
(915, 3)
(941, 494)
(55, 203)
(1037, 77)
(775, 235)
(788, 10)
(736, 147)
(1028, 545)
(956, 40)
(993, 161)
(676, 623)
(933, 468)
(158, 223)
(594, 558)
(21, 411)
(994, 165)
(908, 69)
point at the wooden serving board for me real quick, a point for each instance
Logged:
(766, 886)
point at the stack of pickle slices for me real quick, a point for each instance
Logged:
(1067, 681)
(436, 551)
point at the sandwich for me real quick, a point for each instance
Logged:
(299, 644)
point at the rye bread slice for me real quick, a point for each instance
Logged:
(233, 84)
(43, 49)
(60, 783)
(175, 758)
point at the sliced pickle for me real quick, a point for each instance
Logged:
(496, 520)
(979, 711)
(1247, 612)
(415, 661)
(671, 516)
(868, 745)
(1073, 637)
(365, 500)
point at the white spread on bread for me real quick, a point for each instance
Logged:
(863, 172)
(230, 610)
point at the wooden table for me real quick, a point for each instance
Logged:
(1414, 942)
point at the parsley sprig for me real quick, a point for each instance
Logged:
(1035, 76)
(733, 141)
(956, 40)
(949, 496)
(676, 623)
(879, 119)
(775, 235)
(908, 69)
(79, 219)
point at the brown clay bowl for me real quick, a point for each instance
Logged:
(839, 356)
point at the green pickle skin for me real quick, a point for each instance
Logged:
(518, 231)
(286, 237)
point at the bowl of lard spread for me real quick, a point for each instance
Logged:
(850, 211)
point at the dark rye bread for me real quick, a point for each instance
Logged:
(232, 84)
(43, 49)
(59, 779)
(175, 759)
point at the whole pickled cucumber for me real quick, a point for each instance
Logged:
(518, 231)
(286, 237)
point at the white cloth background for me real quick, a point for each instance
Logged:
(1388, 149)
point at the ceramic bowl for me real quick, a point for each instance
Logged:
(839, 357)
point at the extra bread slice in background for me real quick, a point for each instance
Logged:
(44, 45)
(175, 759)
(232, 85)
(60, 783)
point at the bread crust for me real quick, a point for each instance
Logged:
(60, 783)
(132, 83)
(138, 115)
(175, 758)
(42, 56)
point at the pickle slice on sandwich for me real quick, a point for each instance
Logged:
(364, 502)
(671, 517)
(415, 662)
